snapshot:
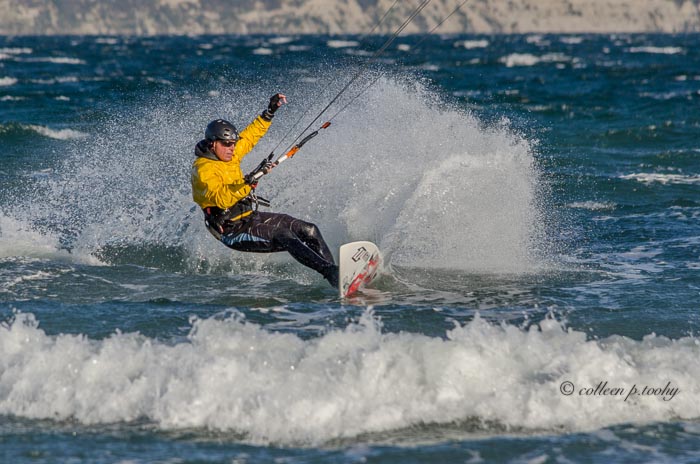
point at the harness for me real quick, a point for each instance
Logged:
(220, 221)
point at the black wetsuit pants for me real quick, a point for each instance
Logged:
(271, 232)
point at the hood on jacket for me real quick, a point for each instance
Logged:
(202, 150)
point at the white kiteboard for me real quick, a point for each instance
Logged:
(359, 263)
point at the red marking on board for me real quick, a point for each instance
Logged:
(363, 277)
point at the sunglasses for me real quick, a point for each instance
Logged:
(227, 143)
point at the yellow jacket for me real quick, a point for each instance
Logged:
(219, 183)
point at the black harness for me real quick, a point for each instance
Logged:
(220, 221)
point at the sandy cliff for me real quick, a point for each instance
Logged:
(343, 16)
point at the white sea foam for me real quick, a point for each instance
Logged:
(572, 40)
(262, 51)
(537, 39)
(668, 95)
(277, 388)
(650, 178)
(55, 60)
(471, 44)
(55, 80)
(65, 60)
(528, 59)
(7, 81)
(280, 40)
(342, 43)
(657, 50)
(359, 52)
(16, 51)
(66, 79)
(7, 285)
(19, 239)
(593, 205)
(59, 134)
(107, 40)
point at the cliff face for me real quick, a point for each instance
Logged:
(343, 16)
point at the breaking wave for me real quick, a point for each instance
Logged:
(235, 376)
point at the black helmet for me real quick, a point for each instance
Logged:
(221, 129)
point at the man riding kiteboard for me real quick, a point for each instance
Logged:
(230, 204)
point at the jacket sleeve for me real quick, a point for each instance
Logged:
(208, 189)
(251, 135)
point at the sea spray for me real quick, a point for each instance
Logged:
(429, 183)
(270, 387)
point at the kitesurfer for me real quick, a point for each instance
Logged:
(230, 204)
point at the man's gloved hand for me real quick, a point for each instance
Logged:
(264, 167)
(275, 102)
(250, 180)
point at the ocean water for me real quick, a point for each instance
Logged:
(535, 196)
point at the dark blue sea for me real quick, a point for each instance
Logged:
(536, 198)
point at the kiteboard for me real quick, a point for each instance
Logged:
(358, 263)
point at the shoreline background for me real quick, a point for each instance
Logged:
(280, 17)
